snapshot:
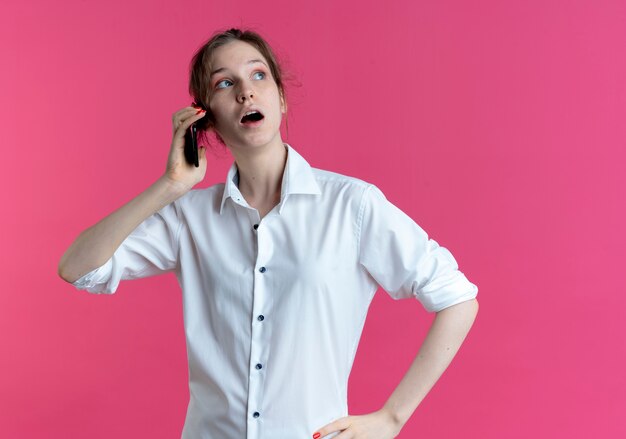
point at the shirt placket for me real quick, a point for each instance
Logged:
(260, 332)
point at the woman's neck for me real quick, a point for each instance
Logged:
(261, 172)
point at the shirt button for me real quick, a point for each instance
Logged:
(256, 414)
(259, 366)
(260, 318)
(256, 226)
(262, 269)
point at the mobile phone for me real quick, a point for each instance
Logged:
(191, 145)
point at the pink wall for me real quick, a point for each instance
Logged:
(498, 126)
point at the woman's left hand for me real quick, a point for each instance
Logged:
(377, 425)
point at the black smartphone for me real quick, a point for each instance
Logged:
(191, 145)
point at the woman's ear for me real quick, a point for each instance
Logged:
(283, 103)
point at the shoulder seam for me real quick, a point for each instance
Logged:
(360, 218)
(177, 234)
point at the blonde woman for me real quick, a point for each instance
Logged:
(277, 266)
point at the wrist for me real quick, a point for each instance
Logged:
(395, 417)
(172, 188)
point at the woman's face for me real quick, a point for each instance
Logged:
(240, 80)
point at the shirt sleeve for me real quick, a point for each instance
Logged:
(150, 249)
(402, 259)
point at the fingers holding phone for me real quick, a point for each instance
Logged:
(181, 169)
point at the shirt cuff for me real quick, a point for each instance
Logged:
(461, 290)
(92, 281)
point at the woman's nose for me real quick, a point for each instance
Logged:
(246, 93)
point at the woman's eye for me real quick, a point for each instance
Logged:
(218, 84)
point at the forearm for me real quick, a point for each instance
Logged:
(441, 344)
(95, 245)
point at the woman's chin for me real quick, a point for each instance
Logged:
(250, 139)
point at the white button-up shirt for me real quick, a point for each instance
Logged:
(274, 307)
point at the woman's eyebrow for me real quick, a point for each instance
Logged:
(221, 69)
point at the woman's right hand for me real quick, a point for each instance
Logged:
(180, 173)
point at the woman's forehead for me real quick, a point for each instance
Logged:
(233, 54)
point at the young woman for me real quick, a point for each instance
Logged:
(277, 266)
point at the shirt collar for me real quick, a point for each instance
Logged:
(298, 178)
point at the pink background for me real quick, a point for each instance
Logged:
(497, 125)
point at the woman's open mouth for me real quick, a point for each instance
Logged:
(252, 118)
